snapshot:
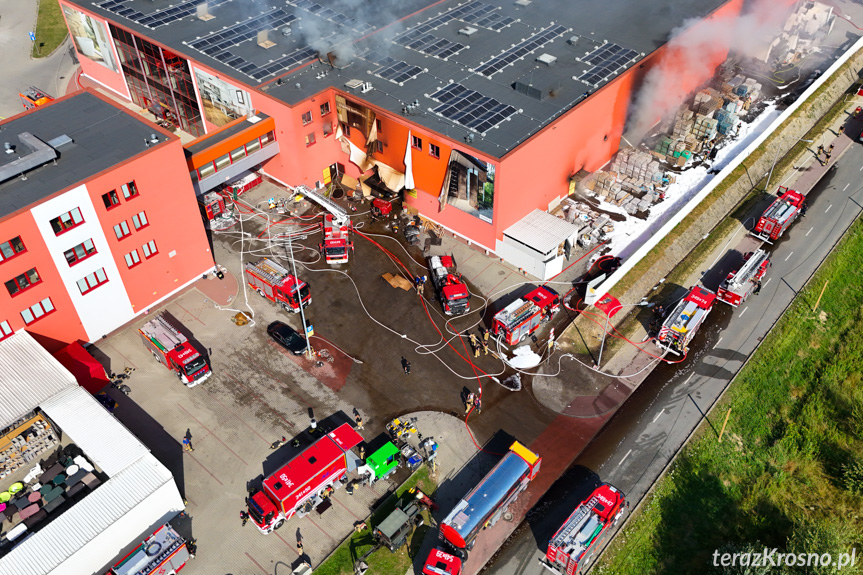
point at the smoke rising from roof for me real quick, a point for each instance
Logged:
(691, 53)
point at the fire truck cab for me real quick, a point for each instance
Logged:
(739, 284)
(779, 216)
(337, 240)
(449, 286)
(305, 481)
(440, 562)
(275, 283)
(164, 552)
(485, 503)
(573, 546)
(521, 318)
(682, 324)
(174, 350)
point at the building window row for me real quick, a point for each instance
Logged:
(132, 259)
(5, 330)
(139, 220)
(233, 157)
(67, 221)
(122, 230)
(149, 249)
(80, 252)
(91, 281)
(12, 248)
(112, 199)
(37, 311)
(25, 281)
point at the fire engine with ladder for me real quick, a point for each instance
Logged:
(573, 546)
(278, 285)
(336, 227)
(173, 350)
(34, 97)
(448, 284)
(522, 317)
(306, 481)
(779, 216)
(740, 284)
(682, 324)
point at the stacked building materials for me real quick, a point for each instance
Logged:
(636, 169)
(682, 123)
(707, 101)
(605, 185)
(725, 121)
(704, 128)
(803, 32)
(663, 147)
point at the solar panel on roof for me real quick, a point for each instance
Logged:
(158, 17)
(470, 108)
(520, 50)
(606, 60)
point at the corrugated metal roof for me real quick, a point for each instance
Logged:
(104, 440)
(541, 231)
(30, 376)
(96, 513)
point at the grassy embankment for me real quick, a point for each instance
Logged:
(789, 472)
(341, 562)
(50, 28)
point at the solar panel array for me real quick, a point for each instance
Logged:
(397, 71)
(217, 44)
(606, 60)
(470, 108)
(159, 17)
(520, 50)
(429, 44)
(331, 15)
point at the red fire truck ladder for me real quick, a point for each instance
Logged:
(747, 272)
(567, 539)
(270, 271)
(340, 216)
(511, 318)
(162, 334)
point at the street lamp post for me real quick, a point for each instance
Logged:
(775, 158)
(608, 314)
(300, 298)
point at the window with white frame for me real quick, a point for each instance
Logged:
(122, 230)
(132, 259)
(91, 281)
(149, 249)
(37, 311)
(139, 220)
(80, 252)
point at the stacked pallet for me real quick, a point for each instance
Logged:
(704, 128)
(605, 185)
(663, 147)
(682, 123)
(707, 101)
(636, 165)
(725, 121)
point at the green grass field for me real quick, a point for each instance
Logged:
(341, 562)
(50, 28)
(789, 471)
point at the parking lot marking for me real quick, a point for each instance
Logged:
(195, 459)
(348, 510)
(846, 187)
(327, 535)
(252, 559)
(717, 342)
(624, 457)
(196, 318)
(744, 311)
(688, 378)
(788, 256)
(210, 431)
(658, 414)
(828, 208)
(282, 539)
(809, 232)
(767, 282)
(129, 362)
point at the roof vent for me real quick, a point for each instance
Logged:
(523, 3)
(59, 141)
(353, 84)
(546, 59)
(264, 40)
(366, 87)
(202, 11)
(286, 31)
(39, 154)
(527, 90)
(10, 148)
(468, 31)
(573, 40)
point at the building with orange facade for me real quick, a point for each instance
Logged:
(98, 220)
(481, 112)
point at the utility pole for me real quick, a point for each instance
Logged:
(309, 351)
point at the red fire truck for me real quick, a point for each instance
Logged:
(164, 552)
(275, 283)
(741, 283)
(301, 484)
(449, 286)
(521, 318)
(173, 350)
(33, 97)
(779, 216)
(572, 547)
(440, 562)
(682, 324)
(486, 502)
(337, 240)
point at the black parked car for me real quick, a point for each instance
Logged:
(287, 337)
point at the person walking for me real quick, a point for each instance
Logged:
(803, 208)
(757, 287)
(841, 129)
(187, 443)
(468, 403)
(830, 148)
(359, 419)
(406, 366)
(477, 403)
(484, 346)
(820, 149)
(473, 341)
(244, 517)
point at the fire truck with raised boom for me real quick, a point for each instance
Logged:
(449, 286)
(523, 316)
(682, 324)
(336, 227)
(277, 284)
(302, 483)
(572, 547)
(779, 216)
(173, 350)
(739, 284)
(486, 502)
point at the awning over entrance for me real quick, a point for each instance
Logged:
(86, 369)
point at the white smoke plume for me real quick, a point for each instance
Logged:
(691, 45)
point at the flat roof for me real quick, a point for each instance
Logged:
(236, 127)
(410, 49)
(541, 231)
(102, 136)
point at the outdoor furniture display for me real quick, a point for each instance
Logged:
(72, 470)
(35, 518)
(21, 503)
(28, 511)
(83, 463)
(16, 532)
(50, 506)
(74, 489)
(46, 488)
(53, 493)
(34, 497)
(76, 478)
(36, 487)
(91, 481)
(59, 479)
(5, 496)
(51, 473)
(16, 487)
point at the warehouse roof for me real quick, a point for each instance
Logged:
(100, 136)
(518, 64)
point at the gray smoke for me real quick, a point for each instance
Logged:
(664, 89)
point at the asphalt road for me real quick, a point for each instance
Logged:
(654, 422)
